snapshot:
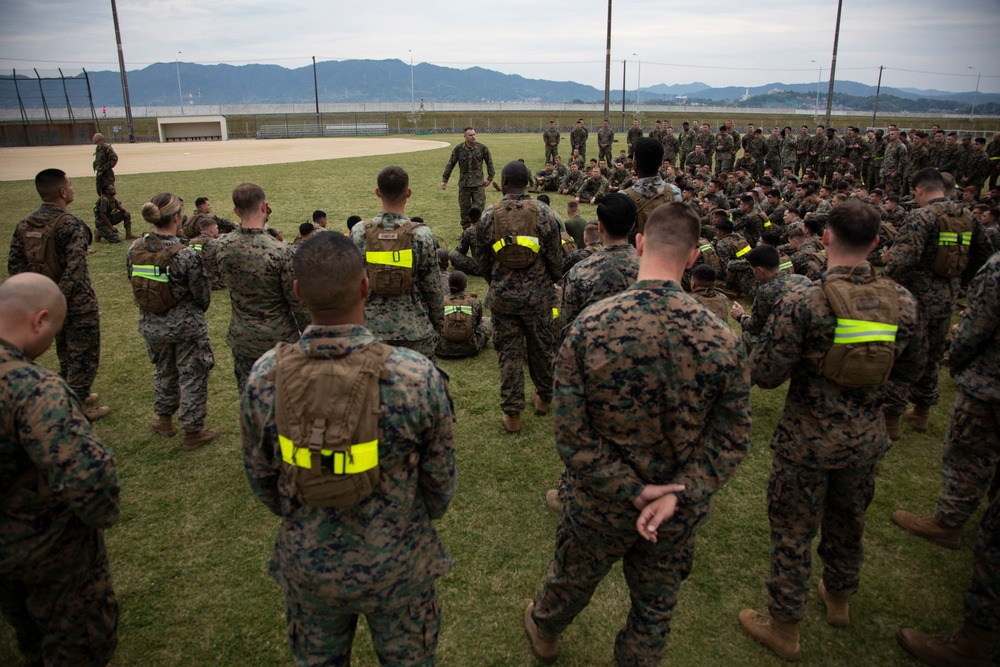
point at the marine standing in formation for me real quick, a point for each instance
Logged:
(470, 157)
(105, 160)
(551, 139)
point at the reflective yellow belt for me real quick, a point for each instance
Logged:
(150, 272)
(705, 248)
(403, 258)
(784, 266)
(555, 313)
(451, 310)
(862, 331)
(742, 251)
(529, 242)
(954, 238)
(358, 458)
(198, 247)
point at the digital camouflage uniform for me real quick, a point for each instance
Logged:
(177, 340)
(993, 153)
(671, 146)
(78, 343)
(111, 209)
(725, 149)
(789, 145)
(739, 278)
(460, 257)
(551, 136)
(630, 365)
(605, 140)
(765, 299)
(726, 248)
(686, 141)
(579, 255)
(634, 135)
(105, 160)
(257, 269)
(573, 181)
(520, 303)
(977, 169)
(827, 444)
(621, 179)
(208, 248)
(696, 160)
(381, 556)
(816, 144)
(412, 320)
(593, 188)
(481, 334)
(707, 141)
(578, 139)
(471, 191)
(609, 271)
(893, 164)
(909, 262)
(60, 491)
(715, 301)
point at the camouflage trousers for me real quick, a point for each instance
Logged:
(739, 278)
(801, 162)
(181, 379)
(107, 232)
(585, 553)
(464, 263)
(241, 368)
(605, 154)
(801, 501)
(467, 198)
(321, 632)
(425, 346)
(723, 162)
(451, 349)
(970, 458)
(103, 178)
(982, 599)
(925, 390)
(78, 346)
(551, 152)
(516, 337)
(62, 606)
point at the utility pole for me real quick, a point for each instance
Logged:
(624, 129)
(121, 68)
(607, 67)
(833, 64)
(878, 89)
(316, 93)
(180, 95)
(975, 98)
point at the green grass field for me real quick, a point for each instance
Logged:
(189, 554)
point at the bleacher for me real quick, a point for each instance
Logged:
(319, 130)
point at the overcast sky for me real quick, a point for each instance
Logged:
(922, 44)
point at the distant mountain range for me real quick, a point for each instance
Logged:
(389, 81)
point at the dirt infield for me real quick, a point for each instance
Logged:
(18, 164)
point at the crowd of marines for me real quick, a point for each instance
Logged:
(853, 251)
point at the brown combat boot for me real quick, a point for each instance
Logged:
(892, 425)
(197, 439)
(552, 500)
(930, 528)
(511, 423)
(91, 400)
(164, 425)
(95, 413)
(837, 608)
(541, 407)
(782, 638)
(971, 646)
(545, 649)
(919, 416)
(129, 236)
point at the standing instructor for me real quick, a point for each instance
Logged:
(470, 156)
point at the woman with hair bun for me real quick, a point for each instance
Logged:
(173, 292)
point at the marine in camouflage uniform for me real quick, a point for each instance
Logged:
(671, 146)
(687, 142)
(765, 299)
(551, 138)
(572, 182)
(594, 188)
(788, 151)
(257, 269)
(78, 343)
(634, 135)
(579, 255)
(208, 248)
(630, 365)
(470, 156)
(105, 160)
(707, 141)
(481, 333)
(605, 140)
(381, 556)
(460, 257)
(621, 178)
(993, 153)
(610, 270)
(521, 300)
(696, 159)
(817, 142)
(714, 300)
(60, 491)
(578, 139)
(108, 212)
(827, 447)
(177, 341)
(412, 320)
(893, 163)
(725, 148)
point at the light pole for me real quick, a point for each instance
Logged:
(972, 116)
(638, 83)
(413, 108)
(180, 95)
(819, 79)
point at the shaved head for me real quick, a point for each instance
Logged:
(329, 271)
(32, 310)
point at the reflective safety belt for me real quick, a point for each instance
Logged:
(150, 272)
(451, 310)
(198, 247)
(555, 313)
(403, 258)
(862, 331)
(742, 251)
(954, 238)
(784, 266)
(358, 458)
(529, 242)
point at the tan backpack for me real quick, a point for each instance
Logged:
(40, 246)
(568, 243)
(954, 241)
(459, 323)
(708, 254)
(327, 413)
(515, 233)
(644, 207)
(150, 274)
(389, 255)
(864, 340)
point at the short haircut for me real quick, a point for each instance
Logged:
(475, 213)
(794, 211)
(392, 182)
(247, 196)
(855, 225)
(199, 201)
(329, 269)
(206, 222)
(306, 228)
(647, 156)
(48, 182)
(704, 273)
(515, 174)
(318, 215)
(673, 224)
(591, 233)
(353, 220)
(466, 129)
(771, 238)
(104, 188)
(765, 256)
(892, 198)
(572, 206)
(928, 179)
(617, 214)
(457, 281)
(722, 221)
(746, 199)
(812, 226)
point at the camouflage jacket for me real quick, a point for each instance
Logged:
(578, 138)
(605, 137)
(977, 168)
(610, 270)
(715, 301)
(190, 287)
(105, 158)
(950, 158)
(918, 158)
(579, 255)
(894, 159)
(71, 240)
(695, 160)
(384, 548)
(773, 143)
(975, 345)
(756, 147)
(707, 142)
(650, 388)
(788, 149)
(573, 181)
(832, 150)
(419, 314)
(726, 248)
(824, 425)
(724, 144)
(257, 269)
(687, 141)
(106, 206)
(551, 137)
(802, 144)
(768, 295)
(470, 165)
(912, 254)
(816, 143)
(634, 135)
(620, 179)
(521, 291)
(593, 188)
(55, 473)
(208, 248)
